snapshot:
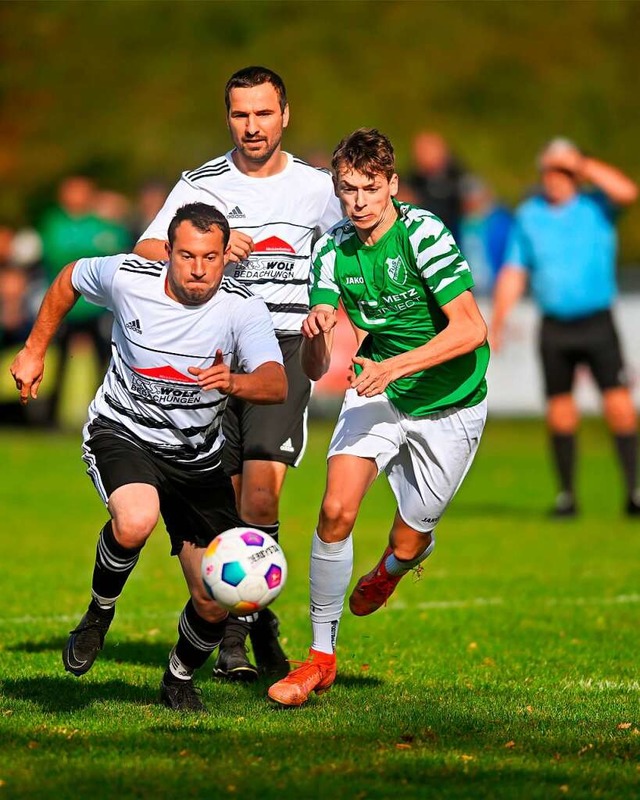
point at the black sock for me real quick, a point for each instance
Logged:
(564, 456)
(271, 530)
(236, 630)
(627, 447)
(114, 563)
(197, 638)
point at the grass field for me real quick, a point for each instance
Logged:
(509, 671)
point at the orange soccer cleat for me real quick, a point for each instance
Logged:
(373, 589)
(316, 674)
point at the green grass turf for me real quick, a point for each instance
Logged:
(510, 670)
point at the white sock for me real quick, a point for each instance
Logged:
(329, 574)
(395, 566)
(105, 603)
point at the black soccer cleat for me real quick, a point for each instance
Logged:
(564, 507)
(232, 663)
(181, 695)
(270, 659)
(87, 639)
(632, 508)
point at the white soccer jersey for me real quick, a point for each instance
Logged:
(148, 389)
(284, 214)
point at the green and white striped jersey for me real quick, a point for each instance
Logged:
(395, 290)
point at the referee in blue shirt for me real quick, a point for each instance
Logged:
(564, 242)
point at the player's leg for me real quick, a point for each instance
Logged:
(348, 479)
(258, 506)
(366, 437)
(606, 363)
(125, 479)
(559, 350)
(200, 630)
(196, 507)
(424, 476)
(233, 662)
(406, 550)
(262, 442)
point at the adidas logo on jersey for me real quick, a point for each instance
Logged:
(235, 213)
(287, 447)
(134, 326)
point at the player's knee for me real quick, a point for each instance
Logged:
(620, 411)
(260, 507)
(562, 414)
(133, 528)
(335, 518)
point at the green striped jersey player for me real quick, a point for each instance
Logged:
(394, 290)
(416, 406)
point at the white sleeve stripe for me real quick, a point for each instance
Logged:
(442, 263)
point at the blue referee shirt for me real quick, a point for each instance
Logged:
(569, 251)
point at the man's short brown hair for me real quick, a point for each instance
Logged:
(249, 77)
(367, 151)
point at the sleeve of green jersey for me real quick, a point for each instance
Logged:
(440, 262)
(323, 288)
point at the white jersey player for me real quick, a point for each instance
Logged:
(148, 391)
(153, 440)
(277, 207)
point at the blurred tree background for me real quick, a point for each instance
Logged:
(133, 89)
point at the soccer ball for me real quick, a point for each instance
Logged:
(244, 570)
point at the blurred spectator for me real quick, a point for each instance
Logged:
(319, 157)
(13, 291)
(435, 181)
(484, 230)
(19, 253)
(72, 229)
(150, 200)
(564, 240)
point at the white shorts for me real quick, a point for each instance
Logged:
(424, 458)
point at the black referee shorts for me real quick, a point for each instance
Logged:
(269, 432)
(196, 505)
(592, 341)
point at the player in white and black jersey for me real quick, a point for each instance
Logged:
(277, 207)
(153, 442)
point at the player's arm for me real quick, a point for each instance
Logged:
(266, 384)
(466, 330)
(510, 286)
(619, 188)
(27, 368)
(151, 249)
(317, 332)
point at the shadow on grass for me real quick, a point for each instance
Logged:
(119, 652)
(362, 681)
(64, 694)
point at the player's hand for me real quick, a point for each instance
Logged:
(27, 370)
(374, 377)
(495, 339)
(319, 321)
(217, 376)
(569, 159)
(241, 246)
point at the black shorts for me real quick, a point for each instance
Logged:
(196, 505)
(592, 341)
(269, 432)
